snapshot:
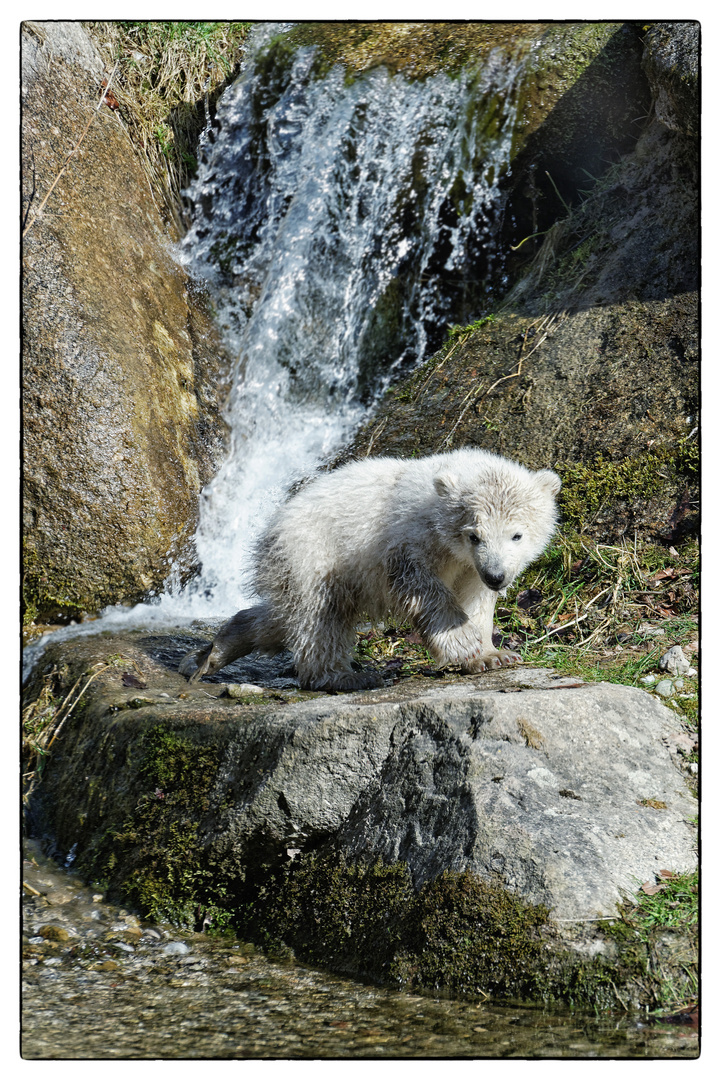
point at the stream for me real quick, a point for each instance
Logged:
(99, 983)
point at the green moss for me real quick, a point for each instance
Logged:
(457, 935)
(46, 594)
(587, 486)
(473, 937)
(154, 859)
(455, 332)
(344, 916)
(416, 49)
(657, 930)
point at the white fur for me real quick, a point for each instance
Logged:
(431, 539)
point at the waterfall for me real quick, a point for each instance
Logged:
(340, 224)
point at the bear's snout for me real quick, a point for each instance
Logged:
(494, 579)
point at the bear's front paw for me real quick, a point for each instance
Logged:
(494, 658)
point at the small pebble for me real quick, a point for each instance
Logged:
(674, 661)
(176, 948)
(648, 680)
(665, 688)
(241, 689)
(53, 933)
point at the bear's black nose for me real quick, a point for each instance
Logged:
(493, 580)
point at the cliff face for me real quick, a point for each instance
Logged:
(120, 358)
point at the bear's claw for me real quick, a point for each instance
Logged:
(195, 664)
(490, 660)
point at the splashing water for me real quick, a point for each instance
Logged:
(340, 225)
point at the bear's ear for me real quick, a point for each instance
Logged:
(548, 480)
(447, 487)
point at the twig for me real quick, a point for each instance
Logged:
(376, 433)
(594, 633)
(77, 699)
(74, 150)
(559, 629)
(565, 204)
(550, 320)
(437, 368)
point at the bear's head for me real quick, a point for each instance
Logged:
(500, 521)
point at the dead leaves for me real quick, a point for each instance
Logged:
(650, 888)
(131, 680)
(109, 97)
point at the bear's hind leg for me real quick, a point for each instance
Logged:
(246, 631)
(323, 645)
(327, 665)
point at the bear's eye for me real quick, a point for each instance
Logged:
(518, 536)
(474, 538)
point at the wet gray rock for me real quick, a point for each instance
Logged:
(551, 789)
(569, 794)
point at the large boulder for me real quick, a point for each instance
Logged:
(120, 358)
(567, 794)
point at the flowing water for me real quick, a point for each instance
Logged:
(340, 225)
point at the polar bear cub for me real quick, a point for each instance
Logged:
(432, 539)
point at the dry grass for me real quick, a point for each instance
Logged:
(169, 77)
(44, 717)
